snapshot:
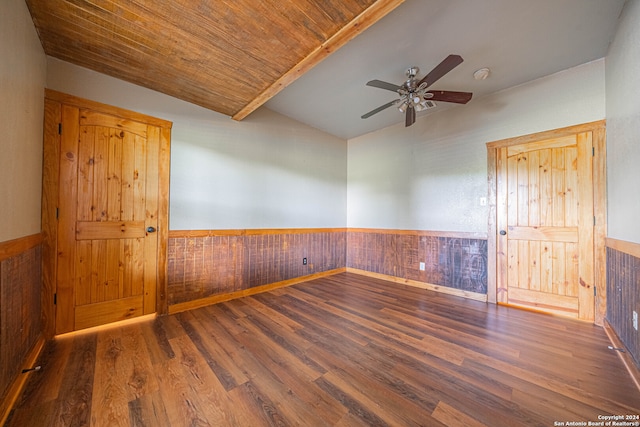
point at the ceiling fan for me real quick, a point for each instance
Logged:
(414, 95)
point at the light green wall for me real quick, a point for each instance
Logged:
(623, 127)
(267, 171)
(22, 80)
(433, 175)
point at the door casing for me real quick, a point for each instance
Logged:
(54, 102)
(598, 129)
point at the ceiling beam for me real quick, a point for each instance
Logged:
(360, 23)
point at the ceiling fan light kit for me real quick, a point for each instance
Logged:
(414, 95)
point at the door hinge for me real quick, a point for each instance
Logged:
(57, 213)
(55, 299)
(593, 151)
(595, 291)
(59, 128)
(594, 220)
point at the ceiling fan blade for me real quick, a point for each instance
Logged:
(448, 64)
(383, 85)
(450, 96)
(410, 118)
(377, 110)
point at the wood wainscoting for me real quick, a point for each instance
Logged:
(454, 262)
(623, 293)
(20, 319)
(208, 266)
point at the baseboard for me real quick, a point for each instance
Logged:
(17, 386)
(437, 288)
(213, 299)
(626, 357)
(202, 302)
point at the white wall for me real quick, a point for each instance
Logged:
(431, 176)
(265, 172)
(22, 79)
(623, 127)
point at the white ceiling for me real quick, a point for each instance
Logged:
(519, 40)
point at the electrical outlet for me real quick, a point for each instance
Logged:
(304, 261)
(422, 266)
(635, 320)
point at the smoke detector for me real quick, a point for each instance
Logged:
(481, 74)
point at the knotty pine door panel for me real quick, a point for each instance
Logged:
(545, 246)
(109, 194)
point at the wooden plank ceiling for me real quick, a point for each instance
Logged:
(230, 56)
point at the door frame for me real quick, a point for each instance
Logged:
(50, 190)
(598, 129)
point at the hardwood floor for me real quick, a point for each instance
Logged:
(345, 350)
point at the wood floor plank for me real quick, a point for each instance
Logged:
(318, 324)
(148, 411)
(264, 405)
(41, 415)
(291, 391)
(283, 321)
(450, 416)
(344, 350)
(221, 362)
(113, 394)
(351, 420)
(157, 341)
(374, 329)
(279, 338)
(181, 403)
(595, 397)
(194, 335)
(206, 389)
(480, 340)
(73, 406)
(403, 402)
(453, 371)
(484, 407)
(546, 401)
(356, 409)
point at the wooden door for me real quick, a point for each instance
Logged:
(109, 199)
(545, 225)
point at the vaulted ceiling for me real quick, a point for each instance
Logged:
(310, 59)
(226, 55)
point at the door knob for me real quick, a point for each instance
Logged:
(503, 233)
(151, 230)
